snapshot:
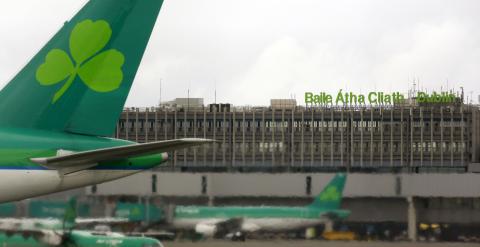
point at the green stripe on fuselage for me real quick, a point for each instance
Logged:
(253, 212)
(83, 238)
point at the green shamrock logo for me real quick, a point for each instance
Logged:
(331, 194)
(136, 211)
(100, 71)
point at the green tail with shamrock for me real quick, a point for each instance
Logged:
(80, 79)
(70, 214)
(331, 195)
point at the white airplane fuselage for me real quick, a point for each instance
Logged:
(20, 184)
(255, 224)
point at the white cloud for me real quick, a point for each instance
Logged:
(430, 53)
(256, 50)
(448, 51)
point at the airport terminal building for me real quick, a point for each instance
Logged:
(287, 137)
(408, 163)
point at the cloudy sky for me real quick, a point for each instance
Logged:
(255, 50)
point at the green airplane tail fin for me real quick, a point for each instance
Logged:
(70, 214)
(80, 80)
(331, 195)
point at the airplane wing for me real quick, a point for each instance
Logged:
(337, 214)
(105, 221)
(153, 234)
(89, 159)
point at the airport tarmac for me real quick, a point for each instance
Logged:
(255, 243)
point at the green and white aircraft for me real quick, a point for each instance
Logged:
(62, 233)
(224, 221)
(56, 113)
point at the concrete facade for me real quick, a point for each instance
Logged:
(293, 185)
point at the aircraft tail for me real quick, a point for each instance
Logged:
(80, 80)
(69, 219)
(331, 195)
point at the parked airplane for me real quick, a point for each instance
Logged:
(62, 233)
(236, 221)
(58, 110)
